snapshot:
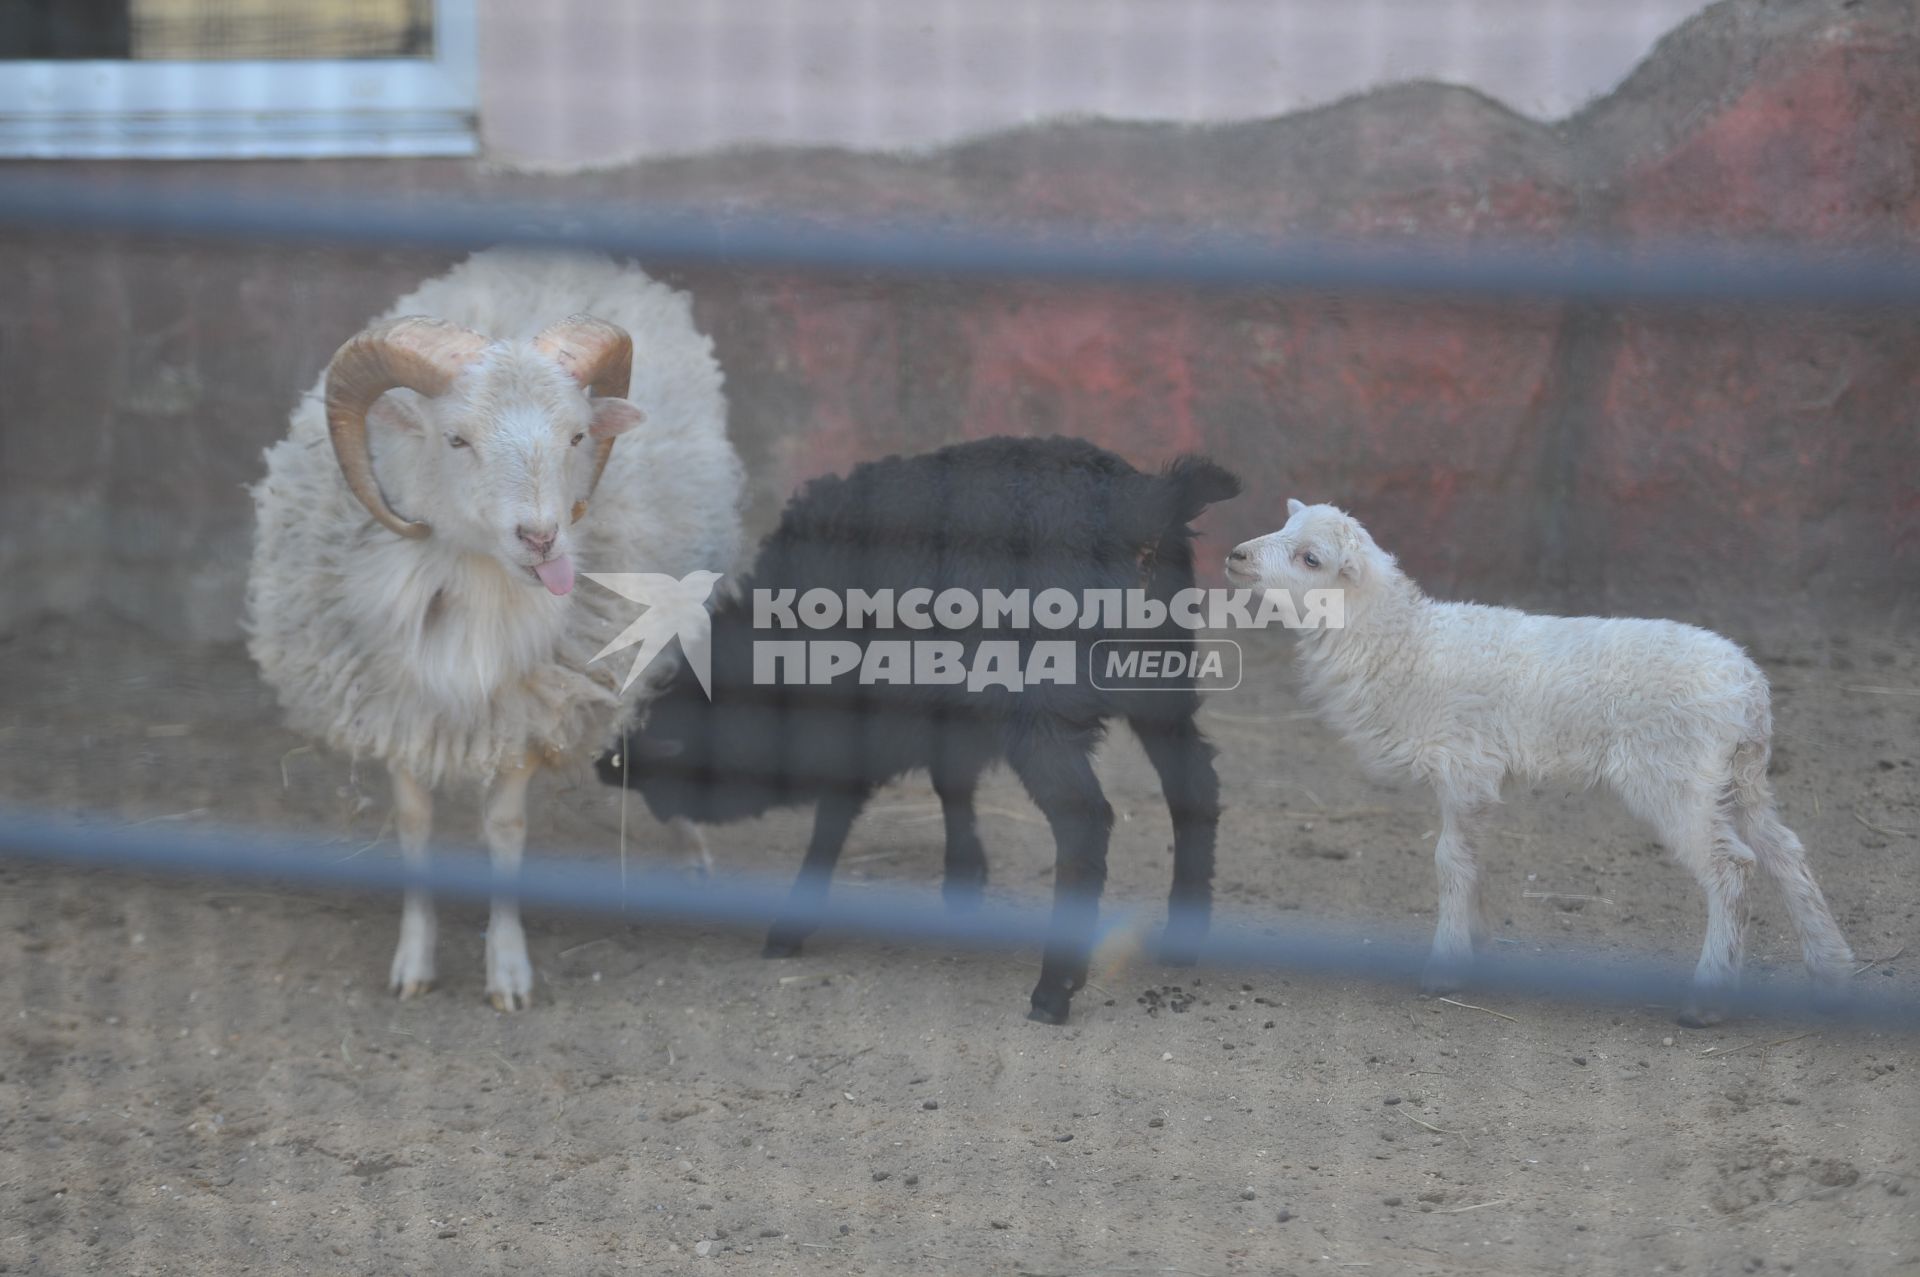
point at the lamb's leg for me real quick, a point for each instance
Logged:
(1057, 769)
(504, 830)
(1184, 760)
(412, 970)
(1825, 950)
(1705, 842)
(832, 819)
(954, 780)
(1462, 926)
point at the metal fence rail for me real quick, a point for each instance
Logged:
(1668, 272)
(896, 916)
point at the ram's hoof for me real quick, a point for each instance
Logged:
(411, 973)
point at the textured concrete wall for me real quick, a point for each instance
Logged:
(1594, 458)
(572, 84)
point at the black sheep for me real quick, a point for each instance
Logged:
(999, 514)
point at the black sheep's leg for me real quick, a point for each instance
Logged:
(955, 779)
(1184, 760)
(832, 819)
(1057, 769)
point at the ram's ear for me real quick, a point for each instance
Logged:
(614, 417)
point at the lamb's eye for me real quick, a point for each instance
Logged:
(455, 441)
(575, 441)
(1309, 558)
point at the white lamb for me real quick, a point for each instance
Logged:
(1673, 719)
(448, 642)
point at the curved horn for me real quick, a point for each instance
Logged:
(599, 356)
(416, 353)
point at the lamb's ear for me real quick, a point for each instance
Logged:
(614, 417)
(1355, 550)
(1294, 507)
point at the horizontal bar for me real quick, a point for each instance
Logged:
(888, 914)
(1669, 272)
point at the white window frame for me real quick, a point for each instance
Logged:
(269, 108)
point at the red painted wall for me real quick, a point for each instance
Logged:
(1596, 459)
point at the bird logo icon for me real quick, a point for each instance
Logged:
(675, 609)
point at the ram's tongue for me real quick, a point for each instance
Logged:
(556, 574)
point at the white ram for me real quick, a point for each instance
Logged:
(447, 641)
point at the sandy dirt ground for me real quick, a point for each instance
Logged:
(204, 1078)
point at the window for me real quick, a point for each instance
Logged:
(193, 79)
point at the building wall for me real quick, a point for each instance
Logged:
(581, 83)
(1691, 459)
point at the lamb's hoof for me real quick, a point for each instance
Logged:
(1439, 979)
(504, 1001)
(778, 946)
(408, 989)
(1047, 1015)
(1698, 1017)
(1705, 1006)
(1832, 998)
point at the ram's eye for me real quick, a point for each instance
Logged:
(456, 441)
(1309, 558)
(575, 441)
